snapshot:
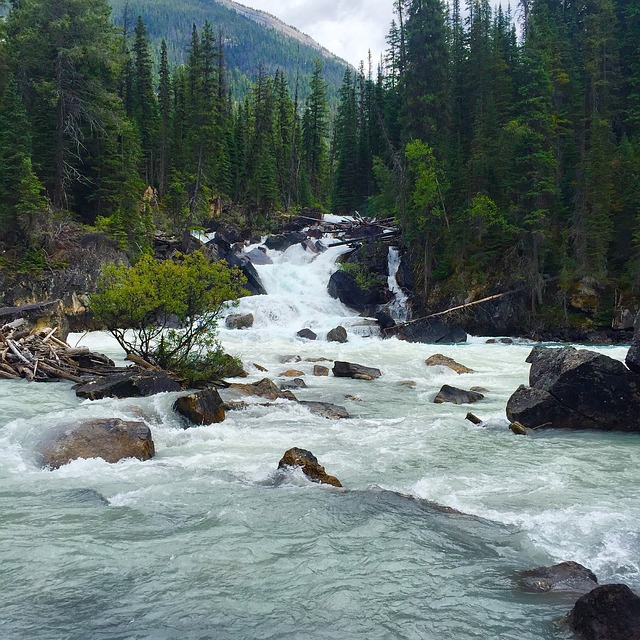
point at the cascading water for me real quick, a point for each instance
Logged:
(399, 308)
(204, 542)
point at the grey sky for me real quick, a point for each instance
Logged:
(348, 28)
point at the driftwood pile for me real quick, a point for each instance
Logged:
(42, 357)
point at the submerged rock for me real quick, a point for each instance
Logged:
(203, 407)
(326, 409)
(456, 396)
(355, 371)
(566, 576)
(309, 464)
(292, 373)
(111, 439)
(339, 334)
(609, 612)
(239, 321)
(134, 384)
(577, 389)
(438, 360)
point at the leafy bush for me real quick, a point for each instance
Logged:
(364, 277)
(139, 305)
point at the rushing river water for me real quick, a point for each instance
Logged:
(204, 541)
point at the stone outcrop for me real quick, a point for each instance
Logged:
(339, 334)
(577, 389)
(264, 388)
(566, 576)
(609, 612)
(201, 408)
(343, 286)
(112, 440)
(133, 384)
(429, 331)
(457, 396)
(355, 371)
(257, 256)
(309, 464)
(239, 321)
(326, 409)
(438, 360)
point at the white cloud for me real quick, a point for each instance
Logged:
(348, 28)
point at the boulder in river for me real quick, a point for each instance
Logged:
(203, 407)
(296, 383)
(309, 464)
(239, 321)
(320, 371)
(577, 389)
(339, 334)
(134, 384)
(111, 439)
(292, 373)
(355, 371)
(457, 396)
(326, 409)
(429, 331)
(264, 388)
(633, 355)
(307, 334)
(258, 256)
(609, 612)
(438, 360)
(566, 576)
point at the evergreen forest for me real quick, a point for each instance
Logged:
(507, 151)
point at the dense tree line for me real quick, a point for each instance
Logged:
(507, 159)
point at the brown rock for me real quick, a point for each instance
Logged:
(438, 360)
(239, 321)
(566, 576)
(292, 373)
(259, 367)
(204, 407)
(519, 429)
(309, 464)
(456, 396)
(411, 384)
(319, 370)
(111, 439)
(288, 359)
(473, 418)
(264, 388)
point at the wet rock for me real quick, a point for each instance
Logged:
(292, 373)
(519, 429)
(309, 464)
(343, 286)
(609, 612)
(296, 383)
(134, 384)
(253, 284)
(239, 321)
(317, 360)
(282, 242)
(320, 371)
(577, 389)
(429, 331)
(438, 360)
(259, 367)
(633, 355)
(354, 398)
(410, 384)
(356, 371)
(384, 320)
(566, 576)
(473, 419)
(259, 257)
(203, 407)
(499, 341)
(339, 334)
(457, 396)
(307, 334)
(480, 389)
(264, 388)
(111, 439)
(326, 409)
(288, 359)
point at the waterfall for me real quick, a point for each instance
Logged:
(399, 308)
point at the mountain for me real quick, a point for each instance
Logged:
(253, 39)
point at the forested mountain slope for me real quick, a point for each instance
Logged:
(253, 39)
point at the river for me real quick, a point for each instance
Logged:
(206, 542)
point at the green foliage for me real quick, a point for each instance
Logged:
(363, 277)
(138, 305)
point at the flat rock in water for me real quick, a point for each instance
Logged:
(111, 439)
(137, 384)
(339, 334)
(438, 360)
(577, 389)
(326, 410)
(566, 576)
(457, 396)
(307, 334)
(203, 407)
(309, 464)
(264, 388)
(609, 612)
(356, 371)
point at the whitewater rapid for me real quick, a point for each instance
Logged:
(205, 542)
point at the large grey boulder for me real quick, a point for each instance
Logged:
(577, 389)
(112, 440)
(355, 371)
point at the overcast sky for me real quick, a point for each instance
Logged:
(348, 28)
